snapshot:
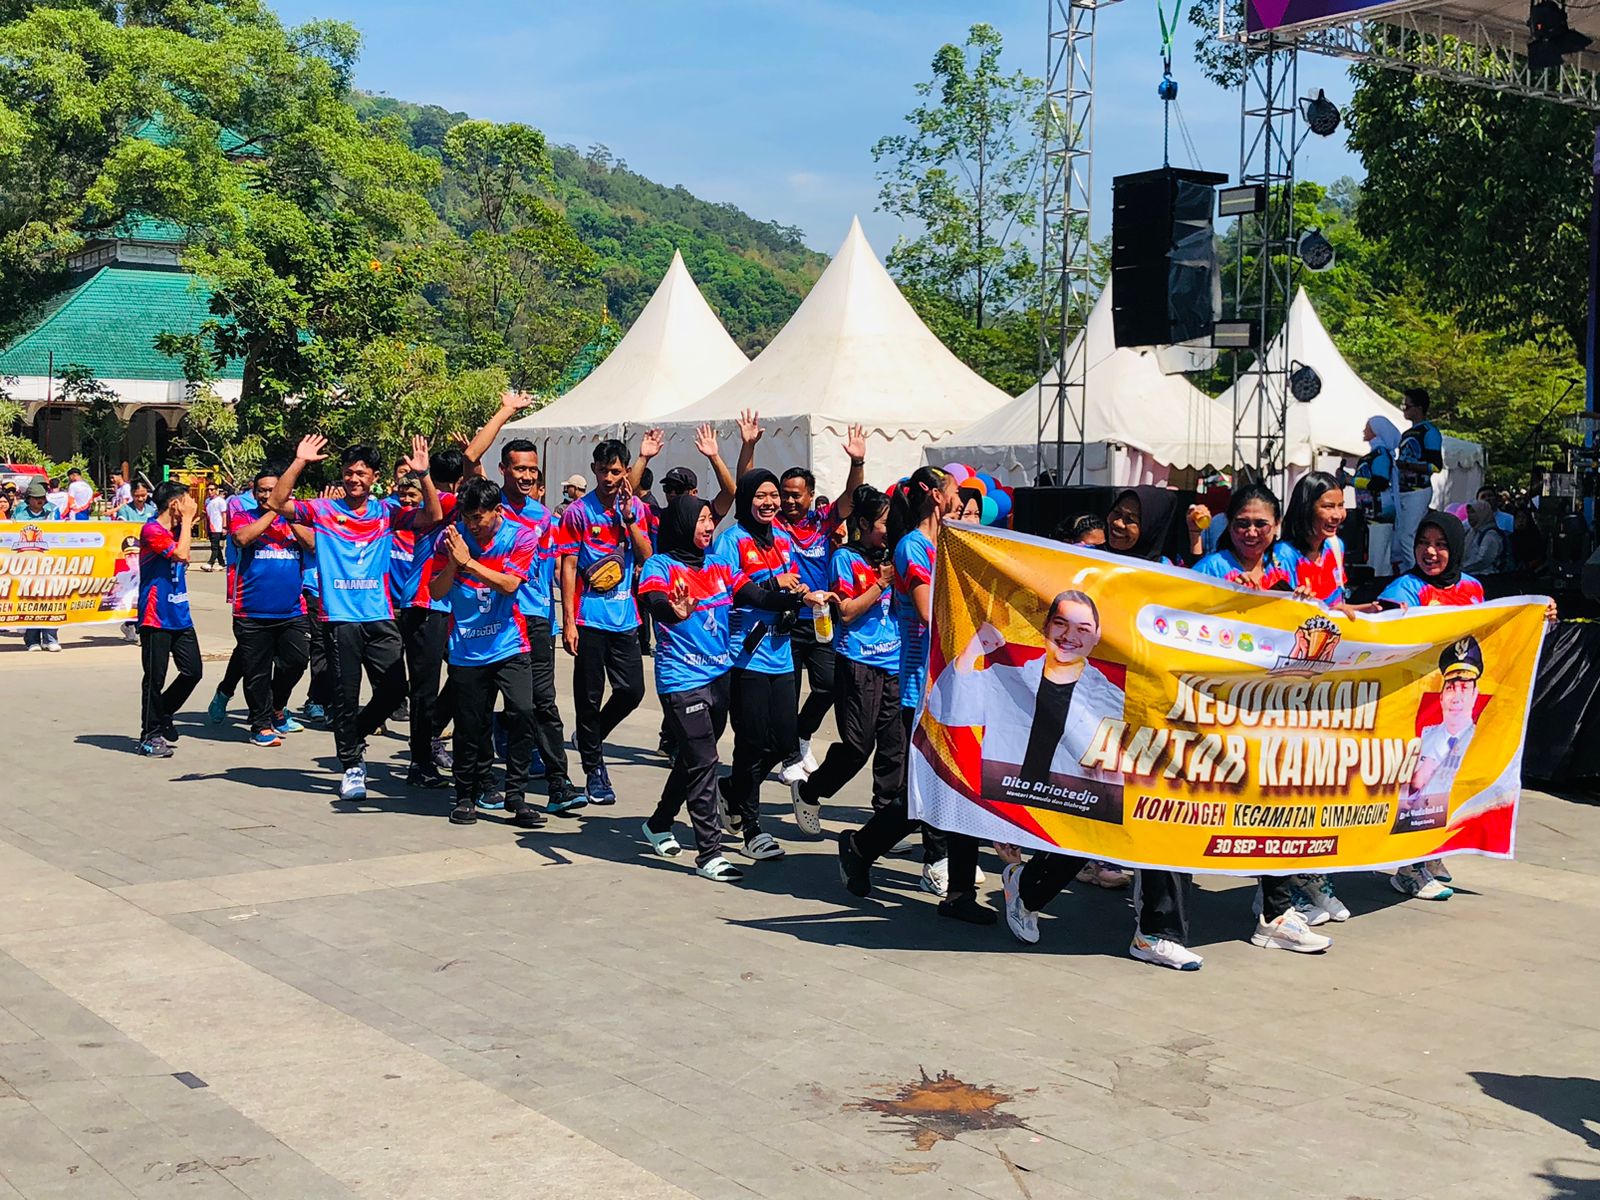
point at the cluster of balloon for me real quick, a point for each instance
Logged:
(994, 497)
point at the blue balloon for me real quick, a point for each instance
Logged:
(990, 510)
(989, 481)
(1001, 502)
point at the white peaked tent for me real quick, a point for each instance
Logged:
(1328, 428)
(674, 353)
(853, 353)
(1139, 423)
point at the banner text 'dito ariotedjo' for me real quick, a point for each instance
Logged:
(68, 572)
(1145, 715)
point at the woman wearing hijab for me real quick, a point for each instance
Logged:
(1377, 488)
(867, 684)
(1485, 549)
(765, 705)
(1137, 525)
(689, 592)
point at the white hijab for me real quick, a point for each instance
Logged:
(1386, 437)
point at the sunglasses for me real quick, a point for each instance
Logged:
(1243, 523)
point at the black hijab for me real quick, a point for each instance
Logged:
(1157, 509)
(744, 501)
(676, 535)
(1455, 539)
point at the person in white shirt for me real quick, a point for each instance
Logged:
(216, 524)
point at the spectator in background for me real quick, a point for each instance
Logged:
(36, 506)
(58, 497)
(8, 501)
(571, 491)
(138, 506)
(1377, 487)
(80, 497)
(1487, 550)
(121, 490)
(216, 525)
(1498, 501)
(1419, 457)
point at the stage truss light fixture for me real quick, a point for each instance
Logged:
(1550, 38)
(1321, 115)
(1243, 201)
(1233, 335)
(1305, 385)
(1315, 250)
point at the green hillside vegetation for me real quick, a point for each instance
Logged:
(753, 273)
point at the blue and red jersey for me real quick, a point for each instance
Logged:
(809, 537)
(754, 563)
(913, 566)
(486, 626)
(695, 651)
(267, 583)
(593, 533)
(1276, 571)
(163, 580)
(354, 552)
(1414, 589)
(409, 559)
(1324, 574)
(873, 638)
(539, 523)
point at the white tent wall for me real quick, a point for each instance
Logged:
(1327, 431)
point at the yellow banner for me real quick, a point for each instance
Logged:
(1148, 716)
(68, 572)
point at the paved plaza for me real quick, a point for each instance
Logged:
(218, 980)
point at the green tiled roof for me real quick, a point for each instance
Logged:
(109, 322)
(154, 129)
(138, 228)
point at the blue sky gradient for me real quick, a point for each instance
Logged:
(775, 104)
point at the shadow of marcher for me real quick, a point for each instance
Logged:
(1568, 1186)
(1571, 1103)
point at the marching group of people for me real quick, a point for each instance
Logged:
(450, 593)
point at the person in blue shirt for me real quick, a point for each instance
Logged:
(139, 507)
(763, 697)
(867, 668)
(481, 563)
(604, 536)
(521, 480)
(1418, 459)
(688, 589)
(270, 629)
(354, 540)
(166, 629)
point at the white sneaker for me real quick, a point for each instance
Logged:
(793, 772)
(1304, 904)
(1320, 892)
(907, 844)
(1166, 953)
(1438, 870)
(663, 844)
(763, 846)
(1417, 882)
(1024, 923)
(807, 816)
(1288, 932)
(936, 878)
(807, 759)
(354, 786)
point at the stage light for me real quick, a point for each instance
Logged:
(1321, 114)
(1550, 39)
(1305, 385)
(1315, 250)
(1243, 201)
(1233, 335)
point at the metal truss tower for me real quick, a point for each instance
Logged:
(1265, 271)
(1064, 267)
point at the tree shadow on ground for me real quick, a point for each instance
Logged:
(1571, 1103)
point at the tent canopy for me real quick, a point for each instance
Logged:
(1332, 423)
(854, 352)
(1129, 405)
(674, 353)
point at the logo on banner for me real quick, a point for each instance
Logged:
(1314, 644)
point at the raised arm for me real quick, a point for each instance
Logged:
(432, 511)
(750, 432)
(312, 448)
(185, 539)
(649, 447)
(511, 403)
(705, 441)
(855, 445)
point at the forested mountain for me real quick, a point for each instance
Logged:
(753, 273)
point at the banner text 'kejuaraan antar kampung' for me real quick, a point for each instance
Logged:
(1144, 715)
(68, 572)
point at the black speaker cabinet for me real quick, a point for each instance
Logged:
(1164, 282)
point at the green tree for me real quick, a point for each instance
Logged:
(967, 173)
(1483, 196)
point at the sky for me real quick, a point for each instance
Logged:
(774, 105)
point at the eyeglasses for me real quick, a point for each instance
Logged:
(1243, 523)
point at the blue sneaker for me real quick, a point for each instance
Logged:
(266, 737)
(156, 747)
(314, 712)
(493, 801)
(284, 723)
(565, 798)
(599, 789)
(217, 710)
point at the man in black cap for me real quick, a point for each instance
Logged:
(36, 506)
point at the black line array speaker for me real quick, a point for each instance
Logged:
(1165, 287)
